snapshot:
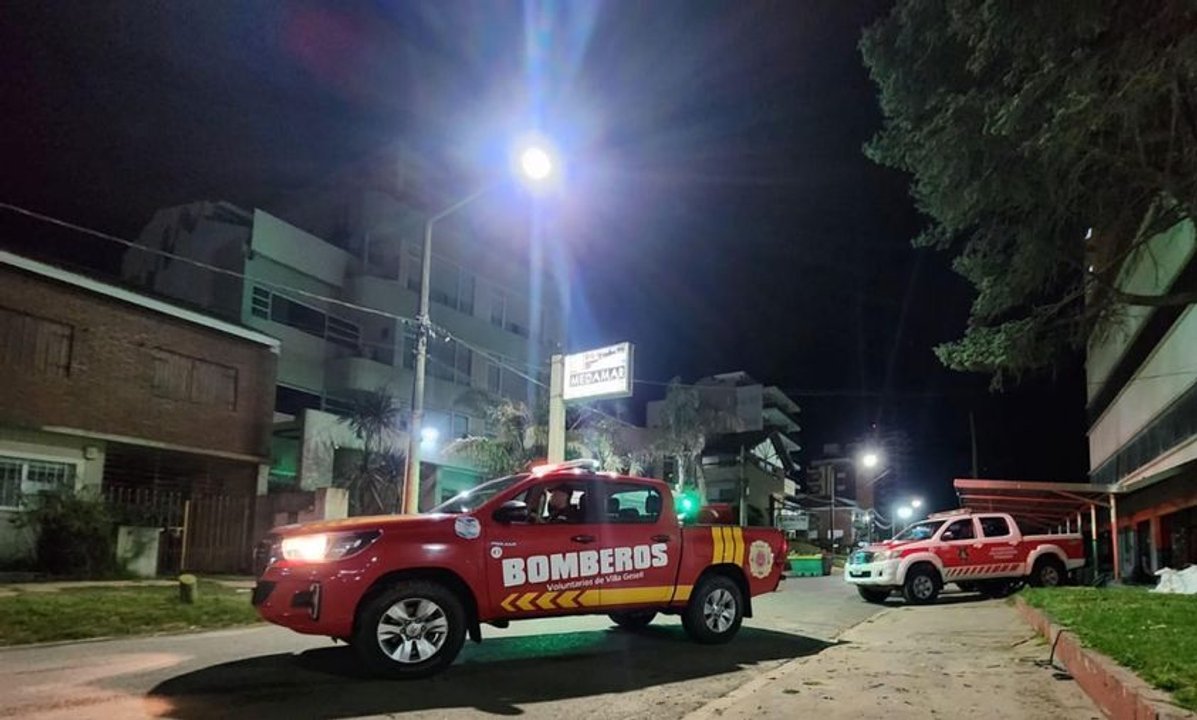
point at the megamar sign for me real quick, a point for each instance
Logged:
(602, 373)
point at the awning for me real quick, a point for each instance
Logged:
(1046, 504)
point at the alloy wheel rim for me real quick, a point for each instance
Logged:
(719, 610)
(412, 630)
(923, 587)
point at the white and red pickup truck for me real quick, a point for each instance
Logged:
(983, 552)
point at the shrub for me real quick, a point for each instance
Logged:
(75, 534)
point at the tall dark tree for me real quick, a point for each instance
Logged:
(1049, 143)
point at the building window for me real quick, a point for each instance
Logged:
(343, 333)
(461, 425)
(293, 401)
(494, 378)
(283, 310)
(20, 477)
(178, 377)
(34, 344)
(452, 287)
(450, 361)
(259, 303)
(498, 308)
(338, 406)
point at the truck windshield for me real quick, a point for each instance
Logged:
(472, 499)
(920, 531)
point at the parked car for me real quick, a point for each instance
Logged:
(561, 540)
(985, 552)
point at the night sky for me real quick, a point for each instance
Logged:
(717, 212)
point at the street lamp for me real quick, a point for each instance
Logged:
(870, 460)
(905, 512)
(536, 167)
(916, 503)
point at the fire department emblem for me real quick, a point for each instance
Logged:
(760, 559)
(962, 554)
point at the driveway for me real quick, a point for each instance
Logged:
(541, 668)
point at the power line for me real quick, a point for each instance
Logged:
(407, 321)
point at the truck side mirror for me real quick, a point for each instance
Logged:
(947, 536)
(512, 511)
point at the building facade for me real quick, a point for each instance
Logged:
(757, 457)
(147, 402)
(1142, 407)
(342, 308)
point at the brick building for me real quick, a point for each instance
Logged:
(164, 410)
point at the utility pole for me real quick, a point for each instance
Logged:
(743, 491)
(557, 409)
(972, 431)
(829, 472)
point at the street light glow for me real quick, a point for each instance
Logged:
(536, 163)
(870, 460)
(905, 512)
(429, 435)
(916, 503)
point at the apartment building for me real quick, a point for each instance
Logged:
(339, 292)
(1142, 406)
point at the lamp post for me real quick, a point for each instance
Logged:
(536, 165)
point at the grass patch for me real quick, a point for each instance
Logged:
(77, 614)
(1153, 635)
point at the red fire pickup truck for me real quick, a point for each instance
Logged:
(405, 591)
(985, 552)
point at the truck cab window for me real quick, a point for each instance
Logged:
(959, 530)
(633, 504)
(993, 527)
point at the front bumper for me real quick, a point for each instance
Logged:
(308, 600)
(882, 573)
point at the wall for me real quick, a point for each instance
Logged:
(1168, 371)
(108, 389)
(1152, 272)
(294, 248)
(323, 435)
(17, 543)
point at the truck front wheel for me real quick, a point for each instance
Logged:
(410, 630)
(877, 596)
(715, 611)
(922, 585)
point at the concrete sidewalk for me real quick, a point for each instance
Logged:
(10, 589)
(957, 659)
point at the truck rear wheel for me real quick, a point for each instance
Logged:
(410, 630)
(633, 619)
(877, 596)
(715, 611)
(922, 585)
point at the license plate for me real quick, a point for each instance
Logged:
(860, 574)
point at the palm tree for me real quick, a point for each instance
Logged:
(374, 415)
(518, 435)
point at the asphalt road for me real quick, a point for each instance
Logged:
(567, 667)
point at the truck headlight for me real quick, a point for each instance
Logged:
(891, 554)
(327, 547)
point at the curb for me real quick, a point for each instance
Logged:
(1119, 693)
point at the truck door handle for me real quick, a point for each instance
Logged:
(660, 538)
(583, 538)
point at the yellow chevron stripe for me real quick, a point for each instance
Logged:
(525, 603)
(506, 604)
(567, 598)
(635, 596)
(590, 598)
(717, 545)
(545, 601)
(729, 544)
(682, 593)
(738, 532)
